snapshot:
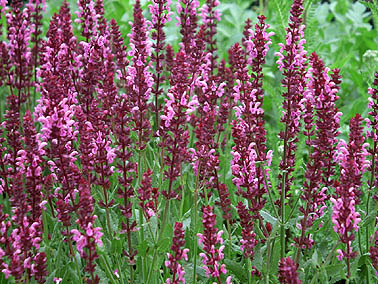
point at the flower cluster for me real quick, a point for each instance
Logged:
(320, 96)
(161, 14)
(88, 147)
(287, 273)
(19, 52)
(248, 241)
(148, 195)
(140, 79)
(353, 163)
(372, 131)
(372, 124)
(173, 129)
(23, 234)
(187, 11)
(86, 17)
(173, 260)
(210, 16)
(248, 129)
(89, 236)
(212, 256)
(292, 63)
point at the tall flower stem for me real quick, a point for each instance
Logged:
(348, 259)
(283, 190)
(269, 255)
(229, 238)
(261, 5)
(165, 213)
(249, 271)
(195, 247)
(141, 229)
(372, 177)
(282, 234)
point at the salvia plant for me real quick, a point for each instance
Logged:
(125, 159)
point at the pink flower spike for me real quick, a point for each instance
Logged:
(288, 272)
(212, 256)
(173, 259)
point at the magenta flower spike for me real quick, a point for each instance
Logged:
(19, 52)
(3, 5)
(292, 63)
(56, 113)
(173, 125)
(119, 52)
(210, 16)
(249, 240)
(205, 157)
(248, 130)
(87, 18)
(187, 20)
(148, 195)
(140, 80)
(179, 253)
(209, 240)
(372, 133)
(353, 163)
(321, 132)
(30, 163)
(161, 14)
(287, 273)
(89, 236)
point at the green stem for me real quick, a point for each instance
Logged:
(229, 238)
(141, 228)
(270, 194)
(108, 221)
(141, 235)
(108, 271)
(348, 261)
(371, 182)
(152, 266)
(249, 271)
(282, 234)
(195, 227)
(77, 268)
(359, 242)
(367, 226)
(182, 198)
(261, 5)
(166, 209)
(293, 209)
(367, 274)
(269, 255)
(194, 242)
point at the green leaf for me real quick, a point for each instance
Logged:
(116, 245)
(335, 271)
(269, 218)
(163, 245)
(315, 259)
(238, 269)
(142, 249)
